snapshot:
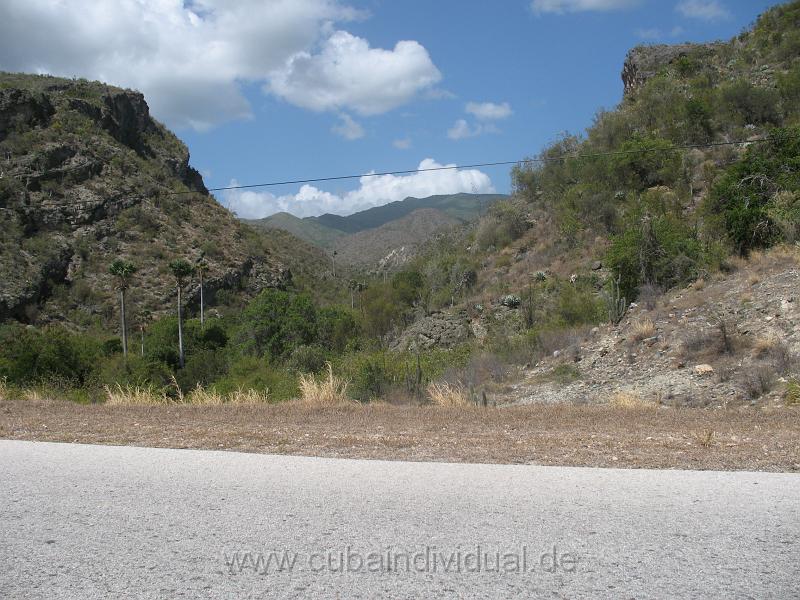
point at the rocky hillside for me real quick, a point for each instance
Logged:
(87, 176)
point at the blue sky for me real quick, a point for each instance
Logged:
(266, 90)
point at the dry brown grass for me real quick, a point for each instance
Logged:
(135, 396)
(331, 391)
(4, 395)
(447, 394)
(704, 437)
(643, 329)
(599, 436)
(626, 399)
(765, 346)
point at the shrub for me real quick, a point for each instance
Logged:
(747, 104)
(745, 196)
(792, 395)
(54, 354)
(660, 250)
(337, 328)
(252, 373)
(307, 359)
(275, 323)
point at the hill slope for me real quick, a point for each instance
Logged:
(88, 176)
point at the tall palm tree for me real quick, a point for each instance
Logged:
(181, 270)
(122, 270)
(144, 317)
(202, 267)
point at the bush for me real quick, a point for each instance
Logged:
(248, 372)
(747, 104)
(53, 354)
(659, 250)
(275, 323)
(741, 202)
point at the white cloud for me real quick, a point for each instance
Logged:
(653, 34)
(348, 128)
(348, 74)
(402, 144)
(372, 191)
(561, 7)
(191, 58)
(489, 110)
(706, 10)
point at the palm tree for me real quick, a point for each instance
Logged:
(144, 317)
(122, 271)
(202, 267)
(181, 270)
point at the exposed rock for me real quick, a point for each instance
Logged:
(644, 62)
(438, 330)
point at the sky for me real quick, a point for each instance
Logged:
(277, 90)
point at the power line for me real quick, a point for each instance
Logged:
(540, 160)
(489, 164)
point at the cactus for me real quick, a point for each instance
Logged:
(615, 302)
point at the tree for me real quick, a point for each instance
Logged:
(144, 317)
(181, 270)
(202, 267)
(122, 270)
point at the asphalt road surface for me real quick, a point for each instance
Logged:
(110, 522)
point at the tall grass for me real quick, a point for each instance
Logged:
(448, 394)
(147, 395)
(330, 391)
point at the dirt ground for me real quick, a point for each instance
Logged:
(765, 439)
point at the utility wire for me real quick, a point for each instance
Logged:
(540, 160)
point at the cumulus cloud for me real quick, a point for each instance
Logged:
(348, 128)
(489, 110)
(348, 73)
(705, 10)
(561, 7)
(372, 191)
(191, 58)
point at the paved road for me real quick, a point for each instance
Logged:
(96, 522)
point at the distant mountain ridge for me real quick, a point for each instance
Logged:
(382, 237)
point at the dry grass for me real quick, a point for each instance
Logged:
(746, 438)
(148, 396)
(643, 329)
(135, 396)
(447, 394)
(705, 437)
(699, 284)
(4, 393)
(331, 391)
(765, 346)
(627, 400)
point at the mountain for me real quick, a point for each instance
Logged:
(88, 176)
(308, 229)
(390, 246)
(460, 206)
(327, 229)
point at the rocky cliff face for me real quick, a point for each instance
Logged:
(645, 62)
(86, 176)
